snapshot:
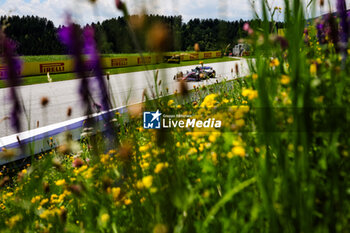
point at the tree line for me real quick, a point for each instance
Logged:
(38, 36)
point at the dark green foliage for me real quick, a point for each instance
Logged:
(38, 36)
(34, 35)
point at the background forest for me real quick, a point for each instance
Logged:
(38, 36)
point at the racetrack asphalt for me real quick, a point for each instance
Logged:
(126, 89)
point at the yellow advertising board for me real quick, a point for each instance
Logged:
(66, 66)
(42, 68)
(115, 62)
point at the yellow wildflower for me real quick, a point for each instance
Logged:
(60, 182)
(255, 76)
(160, 228)
(285, 79)
(81, 169)
(213, 136)
(54, 198)
(127, 201)
(44, 201)
(147, 181)
(160, 167)
(88, 173)
(290, 147)
(240, 122)
(201, 147)
(209, 101)
(144, 165)
(250, 93)
(170, 103)
(192, 151)
(146, 156)
(14, 220)
(313, 69)
(153, 190)
(238, 150)
(274, 62)
(144, 148)
(244, 109)
(104, 158)
(50, 212)
(115, 192)
(214, 157)
(139, 184)
(9, 194)
(104, 218)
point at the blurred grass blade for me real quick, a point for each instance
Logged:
(227, 197)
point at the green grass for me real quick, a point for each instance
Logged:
(68, 76)
(42, 58)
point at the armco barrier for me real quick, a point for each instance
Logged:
(66, 66)
(38, 140)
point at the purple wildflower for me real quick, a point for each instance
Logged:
(341, 8)
(16, 110)
(119, 4)
(306, 36)
(71, 36)
(331, 29)
(12, 78)
(95, 65)
(344, 26)
(320, 32)
(283, 42)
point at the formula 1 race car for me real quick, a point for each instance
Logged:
(198, 74)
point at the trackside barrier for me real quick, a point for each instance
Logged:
(66, 66)
(43, 139)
